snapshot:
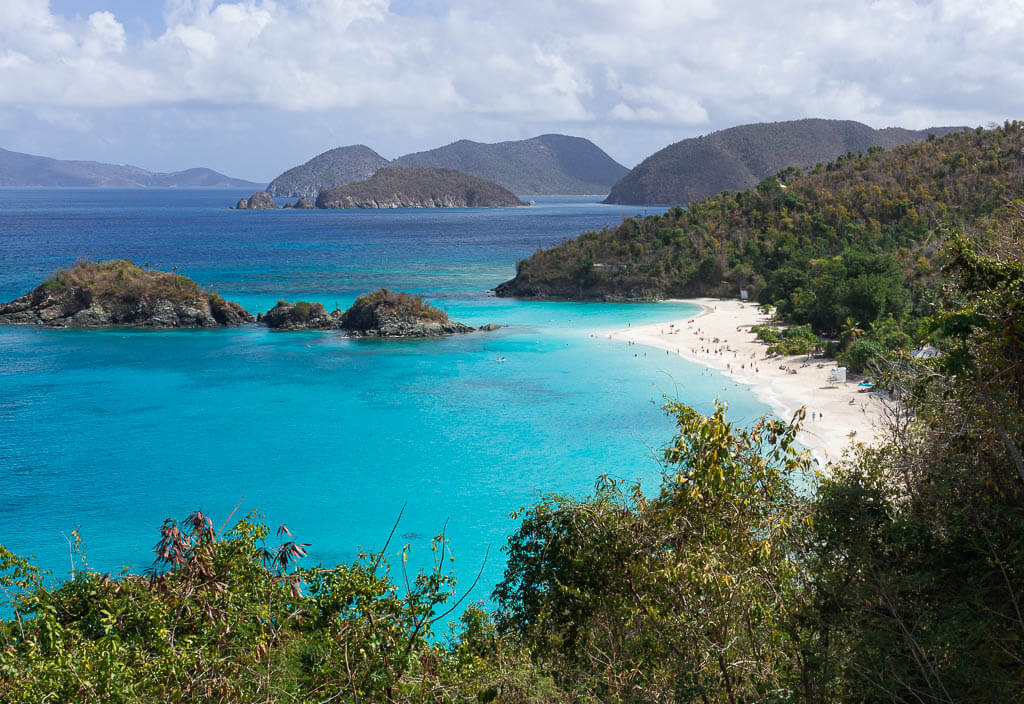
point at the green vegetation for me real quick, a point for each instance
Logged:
(398, 303)
(849, 245)
(227, 617)
(120, 278)
(787, 341)
(305, 310)
(744, 578)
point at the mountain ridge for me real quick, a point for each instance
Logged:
(18, 169)
(738, 157)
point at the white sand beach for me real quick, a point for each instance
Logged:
(838, 414)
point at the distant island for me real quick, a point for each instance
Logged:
(114, 293)
(27, 170)
(550, 164)
(335, 167)
(739, 157)
(257, 201)
(399, 187)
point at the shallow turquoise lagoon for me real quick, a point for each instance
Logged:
(112, 431)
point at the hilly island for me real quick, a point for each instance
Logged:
(28, 170)
(401, 187)
(547, 164)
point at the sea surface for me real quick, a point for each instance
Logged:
(112, 431)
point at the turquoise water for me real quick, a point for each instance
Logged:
(112, 431)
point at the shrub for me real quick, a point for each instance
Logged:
(859, 356)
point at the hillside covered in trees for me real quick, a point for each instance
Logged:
(739, 157)
(846, 246)
(897, 578)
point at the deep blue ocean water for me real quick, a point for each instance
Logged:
(112, 431)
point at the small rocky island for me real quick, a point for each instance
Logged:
(400, 187)
(301, 316)
(115, 293)
(257, 201)
(385, 313)
(303, 203)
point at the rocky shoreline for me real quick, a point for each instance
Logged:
(117, 293)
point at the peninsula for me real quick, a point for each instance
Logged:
(115, 293)
(399, 187)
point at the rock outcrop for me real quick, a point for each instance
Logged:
(302, 203)
(257, 201)
(398, 187)
(301, 316)
(385, 313)
(117, 293)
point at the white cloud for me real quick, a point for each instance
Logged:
(482, 68)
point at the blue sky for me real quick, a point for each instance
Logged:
(252, 87)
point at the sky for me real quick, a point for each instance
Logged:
(253, 87)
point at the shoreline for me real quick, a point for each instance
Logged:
(785, 383)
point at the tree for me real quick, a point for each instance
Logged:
(686, 596)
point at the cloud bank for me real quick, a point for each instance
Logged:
(633, 75)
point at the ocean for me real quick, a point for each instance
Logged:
(112, 431)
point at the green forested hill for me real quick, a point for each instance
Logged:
(855, 238)
(739, 157)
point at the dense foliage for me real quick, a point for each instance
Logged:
(745, 578)
(225, 616)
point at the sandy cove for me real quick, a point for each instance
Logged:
(831, 417)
